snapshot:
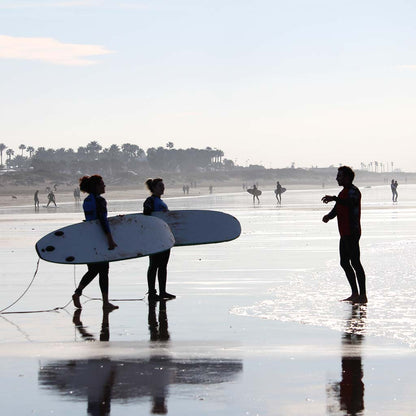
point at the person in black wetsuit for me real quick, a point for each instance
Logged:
(36, 199)
(158, 262)
(347, 209)
(95, 207)
(278, 192)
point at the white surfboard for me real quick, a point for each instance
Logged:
(136, 235)
(191, 227)
(255, 192)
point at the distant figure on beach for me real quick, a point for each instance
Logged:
(393, 187)
(95, 207)
(77, 195)
(36, 199)
(347, 209)
(210, 189)
(397, 194)
(255, 192)
(278, 192)
(51, 198)
(158, 262)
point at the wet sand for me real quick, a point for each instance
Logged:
(224, 346)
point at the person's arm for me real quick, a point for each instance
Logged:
(353, 198)
(101, 207)
(331, 215)
(148, 206)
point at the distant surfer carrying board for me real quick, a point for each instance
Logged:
(278, 192)
(347, 209)
(255, 192)
(95, 207)
(158, 262)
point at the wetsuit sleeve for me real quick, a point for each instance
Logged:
(148, 206)
(333, 213)
(101, 206)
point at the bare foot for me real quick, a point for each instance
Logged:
(361, 299)
(353, 298)
(109, 306)
(75, 299)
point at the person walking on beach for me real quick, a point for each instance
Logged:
(256, 194)
(95, 207)
(278, 192)
(393, 187)
(397, 194)
(36, 199)
(347, 209)
(158, 262)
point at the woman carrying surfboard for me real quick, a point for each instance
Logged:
(95, 207)
(158, 262)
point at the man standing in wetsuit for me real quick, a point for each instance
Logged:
(347, 209)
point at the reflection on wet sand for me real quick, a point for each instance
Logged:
(102, 381)
(349, 392)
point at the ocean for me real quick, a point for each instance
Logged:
(257, 326)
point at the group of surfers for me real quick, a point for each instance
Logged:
(347, 210)
(95, 207)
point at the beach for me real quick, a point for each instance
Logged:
(257, 327)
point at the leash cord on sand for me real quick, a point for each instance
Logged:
(2, 311)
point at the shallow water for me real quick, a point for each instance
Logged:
(257, 327)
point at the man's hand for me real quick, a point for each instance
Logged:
(326, 218)
(328, 198)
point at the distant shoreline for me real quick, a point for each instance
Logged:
(24, 195)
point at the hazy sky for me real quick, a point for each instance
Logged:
(266, 81)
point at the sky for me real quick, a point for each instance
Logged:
(271, 82)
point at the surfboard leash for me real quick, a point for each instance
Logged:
(3, 311)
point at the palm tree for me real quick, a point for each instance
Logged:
(9, 153)
(22, 147)
(2, 148)
(93, 148)
(31, 150)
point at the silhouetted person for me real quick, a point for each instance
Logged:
(347, 209)
(36, 199)
(77, 195)
(396, 185)
(393, 187)
(95, 208)
(278, 192)
(51, 198)
(255, 194)
(158, 263)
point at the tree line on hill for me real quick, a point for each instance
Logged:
(113, 160)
